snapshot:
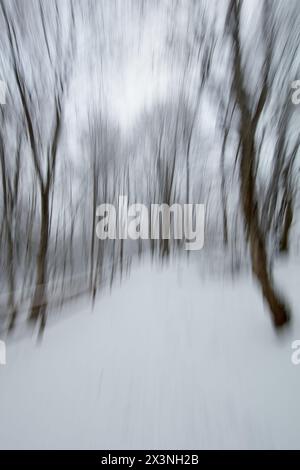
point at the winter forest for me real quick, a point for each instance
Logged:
(139, 343)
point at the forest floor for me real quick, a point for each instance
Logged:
(169, 360)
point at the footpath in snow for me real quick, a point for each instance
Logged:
(168, 360)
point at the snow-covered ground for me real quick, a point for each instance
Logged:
(169, 360)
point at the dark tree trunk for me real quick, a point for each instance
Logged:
(287, 223)
(39, 301)
(247, 164)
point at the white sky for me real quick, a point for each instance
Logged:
(126, 74)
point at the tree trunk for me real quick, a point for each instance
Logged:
(223, 191)
(11, 276)
(279, 310)
(247, 164)
(288, 219)
(259, 261)
(39, 301)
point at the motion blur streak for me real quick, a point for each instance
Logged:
(167, 103)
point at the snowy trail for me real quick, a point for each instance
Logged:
(167, 361)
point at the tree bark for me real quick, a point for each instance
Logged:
(288, 220)
(247, 164)
(39, 301)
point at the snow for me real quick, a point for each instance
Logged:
(169, 360)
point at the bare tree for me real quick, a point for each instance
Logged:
(43, 147)
(247, 164)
